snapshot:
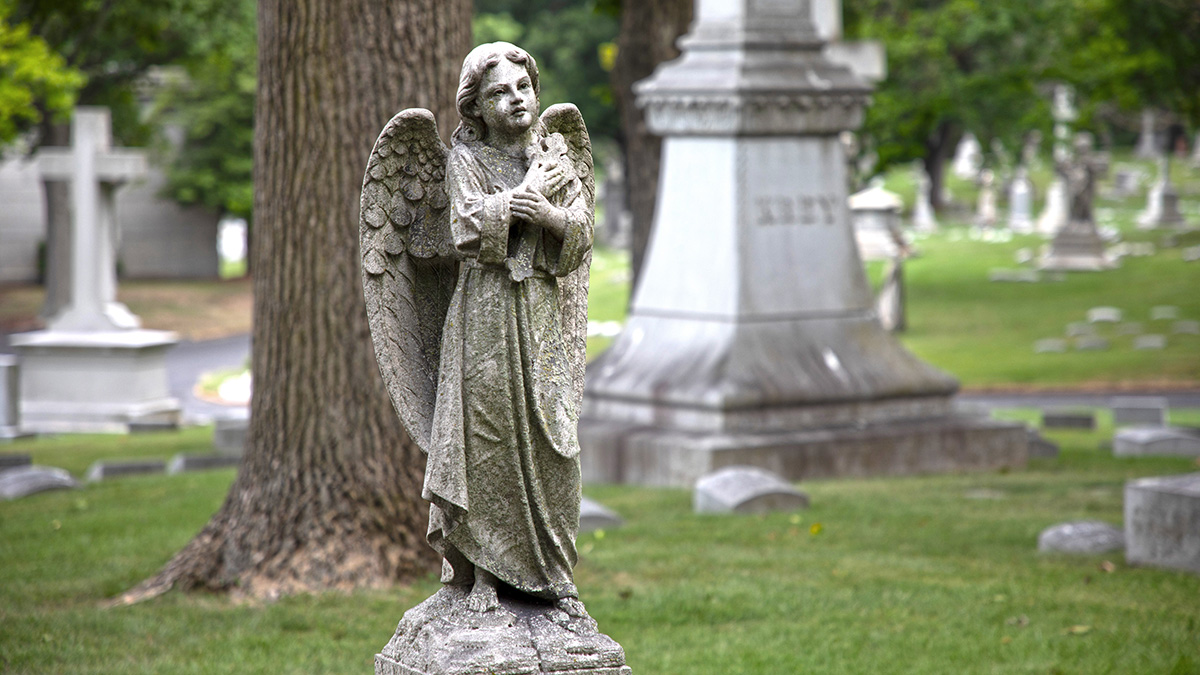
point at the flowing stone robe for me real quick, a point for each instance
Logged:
(503, 475)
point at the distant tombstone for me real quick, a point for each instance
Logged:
(1091, 343)
(229, 435)
(10, 399)
(26, 480)
(1190, 254)
(1084, 537)
(1050, 346)
(1162, 202)
(1188, 327)
(875, 213)
(1147, 142)
(1104, 315)
(923, 218)
(595, 516)
(1155, 441)
(1162, 522)
(968, 157)
(185, 463)
(745, 489)
(889, 304)
(1150, 341)
(1080, 328)
(1164, 312)
(105, 469)
(1147, 410)
(1068, 420)
(1130, 328)
(1020, 202)
(1040, 446)
(1011, 275)
(1125, 182)
(1077, 245)
(985, 212)
(12, 460)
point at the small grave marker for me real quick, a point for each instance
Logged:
(1150, 341)
(1190, 254)
(1142, 410)
(1078, 328)
(1186, 327)
(595, 516)
(1091, 343)
(1164, 312)
(183, 463)
(1087, 537)
(229, 435)
(1068, 420)
(1050, 346)
(26, 480)
(1152, 441)
(1130, 328)
(12, 460)
(1040, 446)
(745, 489)
(105, 469)
(1104, 314)
(1162, 522)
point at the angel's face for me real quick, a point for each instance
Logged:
(507, 102)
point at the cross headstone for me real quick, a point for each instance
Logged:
(1162, 522)
(95, 170)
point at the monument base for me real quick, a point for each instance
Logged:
(74, 382)
(1076, 248)
(647, 455)
(442, 636)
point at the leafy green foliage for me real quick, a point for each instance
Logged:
(567, 38)
(29, 72)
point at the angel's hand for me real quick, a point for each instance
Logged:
(535, 208)
(554, 178)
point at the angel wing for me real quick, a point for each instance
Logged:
(564, 118)
(408, 265)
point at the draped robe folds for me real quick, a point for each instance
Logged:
(503, 476)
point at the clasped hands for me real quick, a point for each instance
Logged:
(530, 203)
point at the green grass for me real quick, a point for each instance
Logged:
(906, 575)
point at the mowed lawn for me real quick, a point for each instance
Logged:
(935, 574)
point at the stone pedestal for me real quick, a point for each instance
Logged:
(1076, 247)
(10, 400)
(1162, 522)
(94, 382)
(441, 636)
(752, 336)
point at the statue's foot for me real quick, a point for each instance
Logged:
(573, 607)
(573, 616)
(483, 595)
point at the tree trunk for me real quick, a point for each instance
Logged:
(649, 29)
(937, 153)
(328, 494)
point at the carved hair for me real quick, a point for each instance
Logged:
(475, 66)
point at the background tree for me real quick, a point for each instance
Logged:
(328, 494)
(954, 66)
(31, 72)
(649, 29)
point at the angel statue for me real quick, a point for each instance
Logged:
(474, 262)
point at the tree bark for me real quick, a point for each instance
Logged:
(328, 494)
(649, 29)
(937, 153)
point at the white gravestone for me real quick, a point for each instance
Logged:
(1164, 312)
(876, 216)
(1162, 202)
(1104, 315)
(93, 369)
(1147, 142)
(1156, 441)
(923, 218)
(1162, 522)
(745, 489)
(1020, 203)
(968, 157)
(752, 336)
(1150, 341)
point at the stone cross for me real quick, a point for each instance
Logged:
(95, 171)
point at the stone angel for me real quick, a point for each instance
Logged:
(474, 264)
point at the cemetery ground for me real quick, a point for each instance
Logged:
(932, 574)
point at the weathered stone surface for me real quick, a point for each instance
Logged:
(229, 435)
(1083, 536)
(1162, 522)
(105, 469)
(1040, 446)
(1068, 420)
(745, 489)
(26, 480)
(182, 463)
(1141, 410)
(1150, 341)
(442, 636)
(1156, 440)
(595, 516)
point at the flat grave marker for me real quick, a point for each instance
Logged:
(1085, 537)
(1050, 346)
(183, 463)
(105, 469)
(1186, 327)
(1104, 315)
(1091, 343)
(1141, 410)
(1150, 341)
(745, 489)
(1060, 419)
(1164, 312)
(1150, 441)
(23, 481)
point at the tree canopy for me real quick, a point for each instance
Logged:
(31, 72)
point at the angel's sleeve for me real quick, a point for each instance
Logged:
(563, 257)
(479, 221)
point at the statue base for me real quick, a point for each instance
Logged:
(1076, 248)
(442, 636)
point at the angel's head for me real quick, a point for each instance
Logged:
(498, 89)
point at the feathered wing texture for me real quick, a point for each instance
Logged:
(564, 118)
(408, 266)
